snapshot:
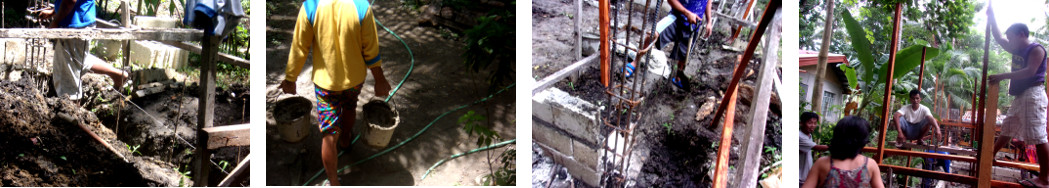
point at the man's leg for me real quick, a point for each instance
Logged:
(348, 115)
(1001, 142)
(1043, 165)
(330, 157)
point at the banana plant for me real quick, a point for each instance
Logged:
(872, 73)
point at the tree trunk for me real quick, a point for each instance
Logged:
(821, 66)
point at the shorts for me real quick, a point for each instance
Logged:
(1025, 120)
(679, 33)
(331, 105)
(69, 65)
(913, 131)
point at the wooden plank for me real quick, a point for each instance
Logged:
(728, 105)
(238, 174)
(940, 175)
(986, 157)
(234, 60)
(104, 34)
(232, 135)
(753, 141)
(725, 146)
(206, 107)
(561, 74)
(940, 148)
(1000, 163)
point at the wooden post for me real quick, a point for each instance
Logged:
(728, 104)
(206, 108)
(921, 69)
(989, 106)
(605, 30)
(747, 168)
(888, 84)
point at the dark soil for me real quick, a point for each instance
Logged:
(379, 113)
(289, 109)
(682, 147)
(40, 151)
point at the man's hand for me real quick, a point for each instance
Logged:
(46, 14)
(995, 78)
(900, 137)
(382, 88)
(288, 87)
(692, 17)
(709, 29)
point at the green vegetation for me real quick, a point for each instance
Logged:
(506, 173)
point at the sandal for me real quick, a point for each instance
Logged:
(629, 72)
(1028, 183)
(677, 82)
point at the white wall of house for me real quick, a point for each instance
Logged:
(831, 84)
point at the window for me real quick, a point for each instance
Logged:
(828, 101)
(804, 90)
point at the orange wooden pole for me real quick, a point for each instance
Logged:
(886, 103)
(606, 59)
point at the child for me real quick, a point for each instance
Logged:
(846, 167)
(342, 36)
(809, 122)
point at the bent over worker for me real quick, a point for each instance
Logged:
(342, 36)
(70, 54)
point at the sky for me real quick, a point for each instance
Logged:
(1008, 12)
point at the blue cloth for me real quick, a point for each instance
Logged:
(215, 17)
(82, 15)
(931, 164)
(698, 7)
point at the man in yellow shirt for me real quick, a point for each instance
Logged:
(342, 36)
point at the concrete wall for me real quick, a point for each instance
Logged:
(568, 128)
(147, 54)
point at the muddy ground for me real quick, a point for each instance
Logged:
(684, 153)
(51, 152)
(439, 83)
(42, 150)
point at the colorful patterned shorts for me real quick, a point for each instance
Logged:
(331, 105)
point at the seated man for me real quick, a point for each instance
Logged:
(915, 121)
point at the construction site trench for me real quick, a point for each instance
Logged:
(674, 143)
(153, 133)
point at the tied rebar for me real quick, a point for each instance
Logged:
(625, 94)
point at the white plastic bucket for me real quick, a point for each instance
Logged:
(382, 119)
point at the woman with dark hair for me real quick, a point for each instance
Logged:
(846, 167)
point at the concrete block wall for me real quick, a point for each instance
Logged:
(568, 128)
(148, 54)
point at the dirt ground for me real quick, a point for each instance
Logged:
(148, 138)
(674, 152)
(46, 151)
(439, 83)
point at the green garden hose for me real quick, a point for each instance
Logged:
(500, 144)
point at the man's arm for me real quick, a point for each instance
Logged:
(676, 5)
(935, 127)
(1033, 60)
(301, 42)
(899, 129)
(994, 26)
(372, 59)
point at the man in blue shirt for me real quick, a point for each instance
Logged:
(69, 61)
(686, 18)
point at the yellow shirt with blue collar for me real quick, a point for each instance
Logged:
(342, 36)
